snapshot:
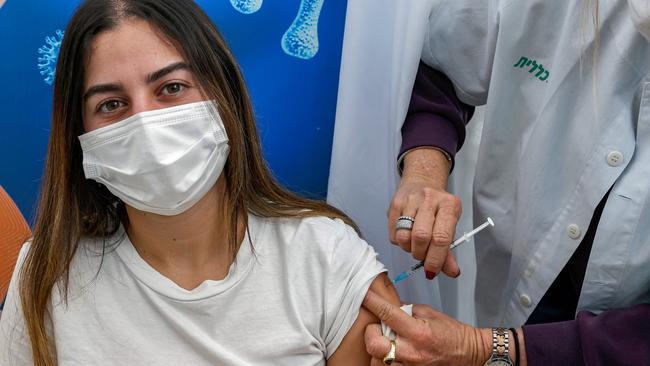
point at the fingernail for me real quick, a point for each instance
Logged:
(430, 275)
(458, 275)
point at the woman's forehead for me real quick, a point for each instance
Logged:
(130, 49)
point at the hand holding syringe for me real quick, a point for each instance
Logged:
(406, 274)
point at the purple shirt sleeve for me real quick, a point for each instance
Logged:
(436, 117)
(615, 337)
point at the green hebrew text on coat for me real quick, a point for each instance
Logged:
(535, 69)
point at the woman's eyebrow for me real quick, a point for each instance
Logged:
(102, 88)
(156, 75)
(166, 70)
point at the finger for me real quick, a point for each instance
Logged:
(451, 268)
(443, 230)
(424, 312)
(403, 236)
(405, 353)
(394, 211)
(378, 346)
(401, 323)
(423, 227)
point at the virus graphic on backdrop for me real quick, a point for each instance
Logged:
(48, 55)
(247, 6)
(301, 39)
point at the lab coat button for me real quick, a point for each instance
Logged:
(573, 231)
(525, 300)
(615, 158)
(528, 272)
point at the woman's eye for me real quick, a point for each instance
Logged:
(110, 106)
(173, 89)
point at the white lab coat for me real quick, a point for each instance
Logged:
(381, 52)
(553, 144)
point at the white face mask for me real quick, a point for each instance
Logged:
(640, 10)
(162, 161)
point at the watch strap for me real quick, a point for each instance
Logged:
(500, 348)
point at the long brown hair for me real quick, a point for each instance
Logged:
(72, 207)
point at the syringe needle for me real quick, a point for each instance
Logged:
(466, 236)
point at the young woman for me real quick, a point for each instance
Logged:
(161, 236)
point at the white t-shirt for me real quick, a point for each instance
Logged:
(289, 301)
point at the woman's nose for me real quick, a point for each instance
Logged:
(144, 104)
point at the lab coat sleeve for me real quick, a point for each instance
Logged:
(436, 117)
(614, 337)
(460, 42)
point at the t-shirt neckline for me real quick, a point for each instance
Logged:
(156, 281)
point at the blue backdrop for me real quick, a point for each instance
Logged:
(292, 74)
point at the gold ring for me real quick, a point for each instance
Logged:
(390, 356)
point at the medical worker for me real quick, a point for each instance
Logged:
(563, 169)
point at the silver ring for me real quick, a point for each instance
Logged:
(404, 223)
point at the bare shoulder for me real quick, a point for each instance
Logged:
(352, 350)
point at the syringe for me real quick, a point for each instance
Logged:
(466, 236)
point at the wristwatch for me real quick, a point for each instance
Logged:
(500, 348)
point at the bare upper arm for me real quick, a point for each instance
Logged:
(352, 350)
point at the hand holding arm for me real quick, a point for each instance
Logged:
(429, 338)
